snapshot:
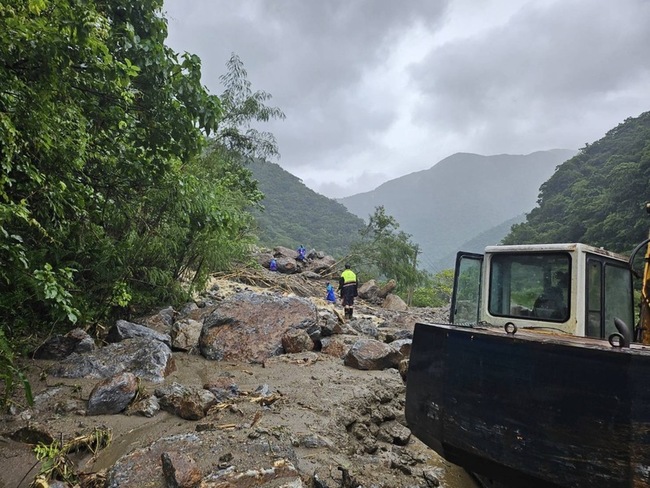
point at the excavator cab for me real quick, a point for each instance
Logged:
(571, 288)
(521, 389)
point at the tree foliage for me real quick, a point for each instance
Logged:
(435, 291)
(386, 252)
(598, 196)
(241, 107)
(121, 175)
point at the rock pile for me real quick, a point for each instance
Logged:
(327, 410)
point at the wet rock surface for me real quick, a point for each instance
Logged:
(330, 415)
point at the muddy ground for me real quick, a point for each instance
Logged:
(316, 395)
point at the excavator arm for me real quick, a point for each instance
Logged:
(643, 328)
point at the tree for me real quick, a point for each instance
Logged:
(436, 290)
(598, 196)
(107, 194)
(386, 252)
(107, 197)
(241, 106)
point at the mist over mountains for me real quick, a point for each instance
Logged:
(464, 201)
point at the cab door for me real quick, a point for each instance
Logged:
(466, 295)
(609, 296)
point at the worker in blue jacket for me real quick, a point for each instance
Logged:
(301, 253)
(331, 296)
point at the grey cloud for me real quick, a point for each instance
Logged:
(546, 69)
(556, 74)
(311, 46)
(310, 55)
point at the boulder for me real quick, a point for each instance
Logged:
(146, 407)
(160, 321)
(188, 403)
(189, 307)
(144, 467)
(287, 265)
(365, 327)
(321, 265)
(250, 326)
(147, 359)
(61, 346)
(387, 288)
(112, 395)
(368, 290)
(328, 323)
(296, 340)
(337, 346)
(284, 252)
(180, 470)
(185, 334)
(368, 354)
(395, 303)
(127, 330)
(403, 346)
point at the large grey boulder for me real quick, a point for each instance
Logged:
(127, 330)
(112, 395)
(369, 354)
(250, 326)
(147, 359)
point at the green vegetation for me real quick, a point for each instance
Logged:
(293, 214)
(121, 176)
(55, 457)
(10, 375)
(384, 252)
(598, 196)
(435, 290)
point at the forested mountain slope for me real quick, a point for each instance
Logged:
(478, 243)
(293, 214)
(460, 197)
(597, 197)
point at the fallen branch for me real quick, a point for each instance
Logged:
(265, 401)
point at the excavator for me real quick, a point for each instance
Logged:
(540, 378)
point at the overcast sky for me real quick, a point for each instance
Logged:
(376, 89)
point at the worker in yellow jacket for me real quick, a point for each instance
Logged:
(348, 290)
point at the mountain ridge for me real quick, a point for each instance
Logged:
(293, 214)
(460, 197)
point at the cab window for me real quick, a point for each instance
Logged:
(533, 285)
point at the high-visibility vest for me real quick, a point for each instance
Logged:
(348, 276)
